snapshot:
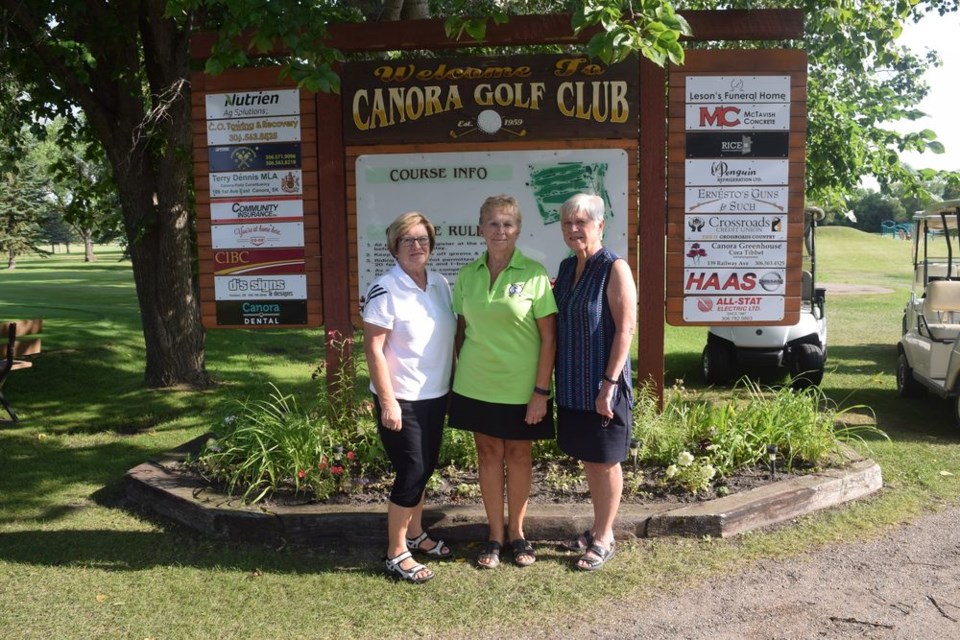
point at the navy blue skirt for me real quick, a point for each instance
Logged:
(589, 436)
(504, 421)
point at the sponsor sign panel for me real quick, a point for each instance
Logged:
(257, 235)
(733, 308)
(755, 228)
(250, 104)
(237, 184)
(281, 287)
(719, 255)
(738, 116)
(254, 209)
(485, 99)
(262, 312)
(724, 144)
(253, 130)
(450, 187)
(258, 261)
(759, 282)
(756, 89)
(765, 199)
(736, 172)
(254, 157)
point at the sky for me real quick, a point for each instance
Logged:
(942, 105)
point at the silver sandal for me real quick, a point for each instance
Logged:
(409, 575)
(413, 544)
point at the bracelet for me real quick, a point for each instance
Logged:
(607, 378)
(540, 391)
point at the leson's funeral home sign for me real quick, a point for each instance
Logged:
(489, 99)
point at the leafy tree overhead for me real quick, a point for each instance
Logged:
(125, 65)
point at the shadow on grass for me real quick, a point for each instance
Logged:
(114, 550)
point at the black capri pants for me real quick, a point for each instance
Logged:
(415, 449)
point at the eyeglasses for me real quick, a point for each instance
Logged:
(408, 242)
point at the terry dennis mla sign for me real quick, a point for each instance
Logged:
(237, 184)
(709, 227)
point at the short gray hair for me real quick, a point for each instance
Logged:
(590, 204)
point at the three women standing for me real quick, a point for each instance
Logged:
(506, 336)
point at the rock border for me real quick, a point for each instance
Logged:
(155, 487)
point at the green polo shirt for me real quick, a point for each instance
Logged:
(498, 359)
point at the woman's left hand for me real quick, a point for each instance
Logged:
(536, 409)
(604, 401)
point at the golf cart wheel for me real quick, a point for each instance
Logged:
(806, 366)
(717, 363)
(907, 385)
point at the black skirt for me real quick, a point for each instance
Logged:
(504, 421)
(589, 436)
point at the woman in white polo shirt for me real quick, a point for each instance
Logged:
(408, 333)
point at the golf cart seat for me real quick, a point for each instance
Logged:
(940, 315)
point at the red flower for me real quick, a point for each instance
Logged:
(336, 470)
(301, 474)
(323, 463)
(351, 455)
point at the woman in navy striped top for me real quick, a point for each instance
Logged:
(597, 302)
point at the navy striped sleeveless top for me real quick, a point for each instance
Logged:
(585, 332)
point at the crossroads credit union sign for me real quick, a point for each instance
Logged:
(489, 99)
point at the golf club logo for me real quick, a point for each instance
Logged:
(490, 122)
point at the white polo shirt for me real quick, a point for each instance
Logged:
(419, 347)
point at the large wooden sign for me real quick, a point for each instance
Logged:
(489, 99)
(737, 129)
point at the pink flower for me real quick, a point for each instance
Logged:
(351, 455)
(301, 474)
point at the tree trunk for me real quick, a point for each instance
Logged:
(88, 255)
(146, 135)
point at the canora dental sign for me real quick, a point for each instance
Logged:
(480, 99)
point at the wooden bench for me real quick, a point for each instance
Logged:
(23, 340)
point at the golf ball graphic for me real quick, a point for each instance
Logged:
(489, 121)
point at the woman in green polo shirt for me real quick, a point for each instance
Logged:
(506, 337)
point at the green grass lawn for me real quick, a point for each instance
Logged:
(76, 564)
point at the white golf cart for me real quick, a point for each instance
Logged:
(800, 348)
(929, 350)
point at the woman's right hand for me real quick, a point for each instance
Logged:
(390, 415)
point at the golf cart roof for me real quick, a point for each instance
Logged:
(933, 214)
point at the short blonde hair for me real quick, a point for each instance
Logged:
(502, 201)
(403, 224)
(590, 204)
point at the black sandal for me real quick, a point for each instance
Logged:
(489, 557)
(581, 543)
(522, 548)
(594, 563)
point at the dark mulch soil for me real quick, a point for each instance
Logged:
(553, 483)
